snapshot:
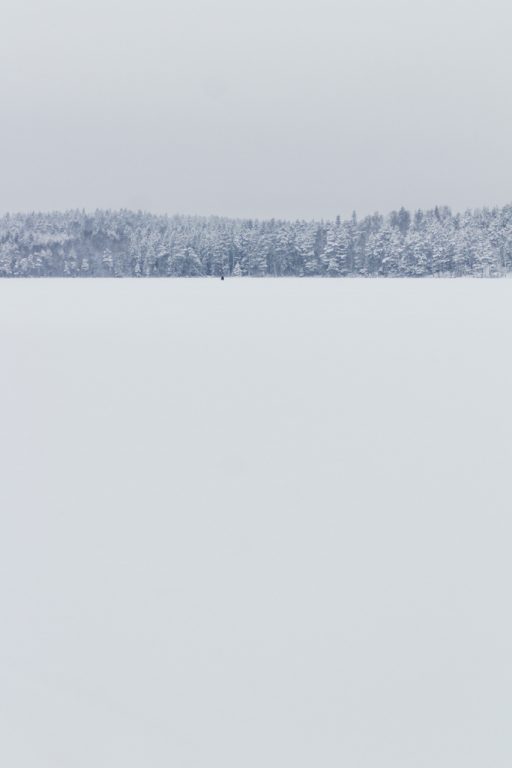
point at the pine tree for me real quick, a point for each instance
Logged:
(108, 261)
(9, 256)
(308, 246)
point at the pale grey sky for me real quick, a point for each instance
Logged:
(286, 108)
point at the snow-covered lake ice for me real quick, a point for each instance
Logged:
(255, 524)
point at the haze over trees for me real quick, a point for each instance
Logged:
(136, 244)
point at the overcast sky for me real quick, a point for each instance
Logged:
(286, 108)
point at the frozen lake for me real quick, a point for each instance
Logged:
(255, 524)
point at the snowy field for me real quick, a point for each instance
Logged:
(255, 524)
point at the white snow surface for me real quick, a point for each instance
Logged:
(255, 523)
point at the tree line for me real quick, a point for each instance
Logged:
(126, 243)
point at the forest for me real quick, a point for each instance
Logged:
(432, 243)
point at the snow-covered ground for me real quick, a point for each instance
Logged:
(255, 524)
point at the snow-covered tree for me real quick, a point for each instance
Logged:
(138, 244)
